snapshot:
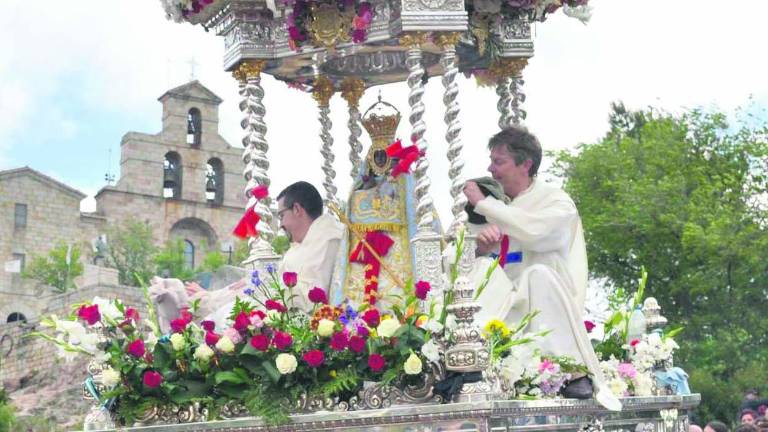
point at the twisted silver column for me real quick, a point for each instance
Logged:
(448, 61)
(502, 90)
(327, 152)
(355, 146)
(424, 204)
(518, 97)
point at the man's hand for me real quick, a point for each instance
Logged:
(473, 192)
(488, 239)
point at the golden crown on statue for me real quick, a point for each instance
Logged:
(381, 120)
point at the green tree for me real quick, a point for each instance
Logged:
(58, 268)
(131, 251)
(685, 196)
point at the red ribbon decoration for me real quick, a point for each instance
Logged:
(247, 225)
(381, 243)
(406, 157)
(503, 251)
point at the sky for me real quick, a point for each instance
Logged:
(76, 76)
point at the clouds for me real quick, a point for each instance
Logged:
(94, 69)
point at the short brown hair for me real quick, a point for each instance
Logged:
(521, 144)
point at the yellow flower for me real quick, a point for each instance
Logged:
(496, 326)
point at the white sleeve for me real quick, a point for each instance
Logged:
(540, 230)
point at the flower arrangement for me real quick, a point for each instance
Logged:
(269, 349)
(297, 21)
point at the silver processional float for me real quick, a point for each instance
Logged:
(347, 46)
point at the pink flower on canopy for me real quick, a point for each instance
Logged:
(376, 362)
(152, 379)
(260, 342)
(589, 325)
(314, 358)
(211, 338)
(136, 348)
(89, 314)
(339, 341)
(275, 305)
(547, 365)
(132, 314)
(290, 279)
(422, 289)
(318, 295)
(282, 340)
(372, 317)
(233, 335)
(242, 321)
(208, 325)
(356, 344)
(627, 370)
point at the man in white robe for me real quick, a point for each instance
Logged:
(548, 268)
(315, 239)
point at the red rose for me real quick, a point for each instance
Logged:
(318, 295)
(372, 317)
(208, 325)
(589, 325)
(132, 314)
(275, 305)
(152, 379)
(422, 289)
(376, 362)
(260, 342)
(89, 314)
(241, 322)
(339, 341)
(282, 340)
(260, 192)
(634, 342)
(314, 358)
(356, 344)
(136, 348)
(211, 338)
(178, 325)
(290, 279)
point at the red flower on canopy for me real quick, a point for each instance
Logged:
(89, 314)
(282, 340)
(376, 362)
(260, 192)
(314, 358)
(356, 344)
(589, 325)
(290, 279)
(318, 295)
(136, 348)
(275, 305)
(152, 379)
(422, 289)
(260, 342)
(247, 225)
(372, 317)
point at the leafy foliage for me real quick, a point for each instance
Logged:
(58, 269)
(684, 195)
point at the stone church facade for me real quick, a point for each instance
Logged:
(185, 182)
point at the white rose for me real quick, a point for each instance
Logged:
(203, 353)
(286, 363)
(387, 327)
(325, 327)
(110, 377)
(413, 365)
(177, 342)
(431, 351)
(225, 345)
